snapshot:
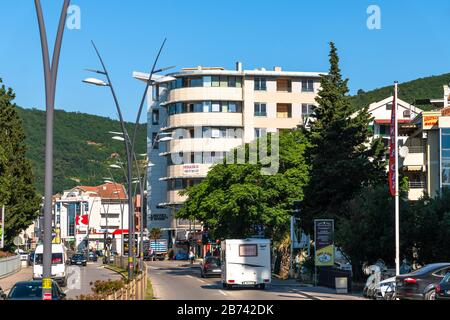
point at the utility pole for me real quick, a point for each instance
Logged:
(51, 75)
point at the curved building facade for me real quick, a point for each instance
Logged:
(207, 112)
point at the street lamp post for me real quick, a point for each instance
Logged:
(129, 144)
(51, 75)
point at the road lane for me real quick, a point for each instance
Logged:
(174, 280)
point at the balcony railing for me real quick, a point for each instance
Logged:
(417, 185)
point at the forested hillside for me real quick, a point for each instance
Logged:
(81, 148)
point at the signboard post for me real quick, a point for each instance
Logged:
(2, 227)
(324, 243)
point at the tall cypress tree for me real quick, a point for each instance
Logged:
(17, 192)
(341, 159)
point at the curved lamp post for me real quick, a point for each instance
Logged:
(128, 142)
(51, 75)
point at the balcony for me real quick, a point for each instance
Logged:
(416, 190)
(205, 94)
(206, 119)
(175, 198)
(415, 158)
(205, 145)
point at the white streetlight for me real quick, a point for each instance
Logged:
(150, 165)
(116, 133)
(96, 82)
(118, 138)
(115, 166)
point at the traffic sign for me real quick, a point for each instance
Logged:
(82, 220)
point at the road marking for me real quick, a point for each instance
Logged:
(201, 281)
(223, 293)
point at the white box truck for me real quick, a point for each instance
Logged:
(59, 264)
(246, 263)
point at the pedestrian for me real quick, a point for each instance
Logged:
(191, 256)
(208, 254)
(216, 253)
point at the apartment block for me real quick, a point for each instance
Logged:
(209, 111)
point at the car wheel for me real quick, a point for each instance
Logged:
(262, 286)
(430, 295)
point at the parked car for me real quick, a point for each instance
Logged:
(386, 289)
(2, 294)
(24, 256)
(59, 264)
(93, 256)
(443, 289)
(32, 290)
(421, 284)
(211, 266)
(78, 259)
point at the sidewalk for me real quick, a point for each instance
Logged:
(309, 288)
(24, 274)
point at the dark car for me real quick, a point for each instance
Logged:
(93, 257)
(443, 289)
(31, 259)
(421, 284)
(78, 259)
(32, 290)
(211, 266)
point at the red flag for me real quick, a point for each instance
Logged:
(392, 147)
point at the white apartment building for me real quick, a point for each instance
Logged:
(105, 208)
(219, 110)
(381, 112)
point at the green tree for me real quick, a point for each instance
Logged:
(17, 192)
(236, 197)
(342, 160)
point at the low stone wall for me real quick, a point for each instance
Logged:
(9, 266)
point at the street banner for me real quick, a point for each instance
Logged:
(2, 227)
(393, 148)
(324, 242)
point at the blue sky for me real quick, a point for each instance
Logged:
(413, 42)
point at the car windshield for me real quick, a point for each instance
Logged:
(213, 261)
(57, 258)
(447, 278)
(26, 291)
(78, 256)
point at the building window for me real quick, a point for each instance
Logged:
(385, 130)
(196, 82)
(260, 132)
(224, 81)
(260, 109)
(284, 85)
(445, 157)
(389, 107)
(308, 109)
(207, 81)
(71, 214)
(308, 85)
(205, 106)
(155, 117)
(155, 142)
(260, 84)
(215, 81)
(284, 110)
(215, 107)
(407, 114)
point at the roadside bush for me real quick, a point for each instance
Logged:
(5, 254)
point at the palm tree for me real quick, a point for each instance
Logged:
(155, 234)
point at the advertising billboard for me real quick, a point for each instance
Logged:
(324, 239)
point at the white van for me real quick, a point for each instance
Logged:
(59, 264)
(246, 262)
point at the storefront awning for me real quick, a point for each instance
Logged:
(413, 168)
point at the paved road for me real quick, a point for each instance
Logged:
(175, 280)
(80, 278)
